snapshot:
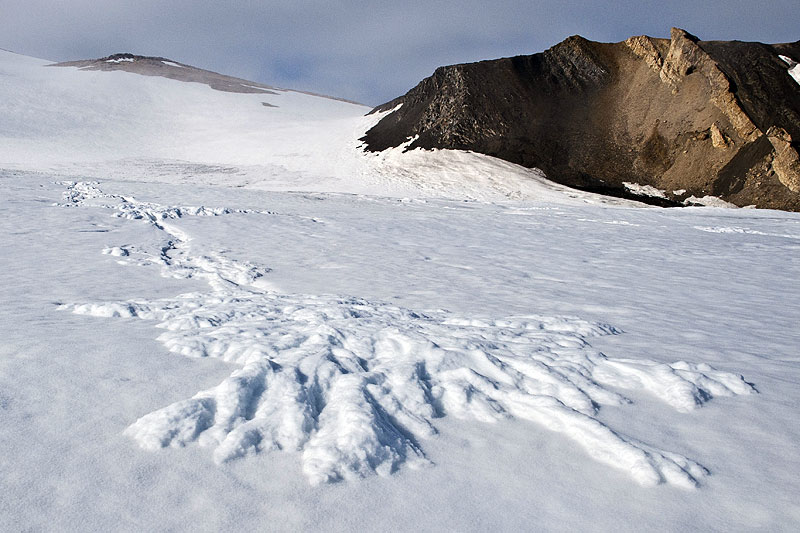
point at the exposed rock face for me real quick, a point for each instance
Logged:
(679, 114)
(785, 161)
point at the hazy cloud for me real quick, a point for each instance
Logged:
(366, 51)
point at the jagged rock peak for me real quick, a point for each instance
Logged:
(689, 117)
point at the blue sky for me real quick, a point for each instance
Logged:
(366, 51)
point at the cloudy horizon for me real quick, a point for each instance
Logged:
(361, 51)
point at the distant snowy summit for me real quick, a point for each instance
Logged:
(161, 66)
(666, 120)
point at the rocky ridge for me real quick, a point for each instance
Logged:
(161, 66)
(686, 117)
(167, 68)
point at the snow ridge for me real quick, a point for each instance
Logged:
(734, 229)
(354, 386)
(173, 256)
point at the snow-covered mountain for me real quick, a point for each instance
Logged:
(152, 119)
(219, 312)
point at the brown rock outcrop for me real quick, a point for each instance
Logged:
(715, 118)
(786, 162)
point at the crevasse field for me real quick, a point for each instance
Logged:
(218, 314)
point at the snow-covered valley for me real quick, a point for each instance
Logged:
(251, 324)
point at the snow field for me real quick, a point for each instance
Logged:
(505, 360)
(356, 386)
(72, 386)
(169, 131)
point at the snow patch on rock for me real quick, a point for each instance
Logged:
(644, 190)
(709, 201)
(794, 68)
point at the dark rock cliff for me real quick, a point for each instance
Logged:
(690, 117)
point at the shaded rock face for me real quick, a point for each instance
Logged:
(689, 117)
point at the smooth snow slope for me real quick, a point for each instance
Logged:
(128, 126)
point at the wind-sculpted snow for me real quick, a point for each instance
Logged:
(173, 255)
(748, 231)
(356, 386)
